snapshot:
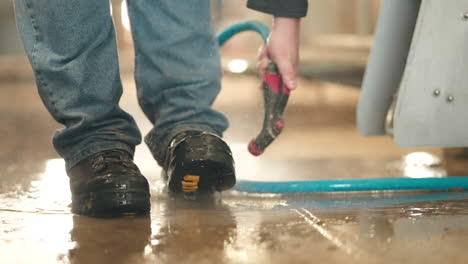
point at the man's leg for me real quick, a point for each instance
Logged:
(178, 72)
(72, 48)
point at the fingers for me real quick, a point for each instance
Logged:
(263, 52)
(288, 72)
(262, 66)
(262, 61)
(287, 63)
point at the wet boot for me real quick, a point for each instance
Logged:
(109, 184)
(198, 163)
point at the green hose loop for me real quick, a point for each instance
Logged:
(232, 30)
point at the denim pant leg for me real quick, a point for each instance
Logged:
(178, 69)
(72, 48)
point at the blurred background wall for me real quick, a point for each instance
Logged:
(335, 41)
(9, 43)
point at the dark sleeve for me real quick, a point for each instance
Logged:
(280, 8)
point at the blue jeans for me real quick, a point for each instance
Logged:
(71, 45)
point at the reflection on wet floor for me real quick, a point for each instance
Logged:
(319, 142)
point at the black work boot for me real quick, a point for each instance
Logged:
(109, 184)
(198, 163)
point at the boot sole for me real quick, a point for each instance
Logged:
(112, 203)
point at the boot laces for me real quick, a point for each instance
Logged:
(114, 160)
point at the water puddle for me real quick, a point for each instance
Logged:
(230, 228)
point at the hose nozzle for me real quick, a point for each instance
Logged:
(275, 98)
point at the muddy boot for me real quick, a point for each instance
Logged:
(109, 184)
(198, 163)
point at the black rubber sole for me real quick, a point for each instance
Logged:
(200, 165)
(112, 204)
(201, 176)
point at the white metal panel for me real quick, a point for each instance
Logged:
(432, 106)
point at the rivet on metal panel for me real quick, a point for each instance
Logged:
(465, 16)
(436, 92)
(450, 98)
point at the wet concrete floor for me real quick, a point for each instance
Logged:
(319, 142)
